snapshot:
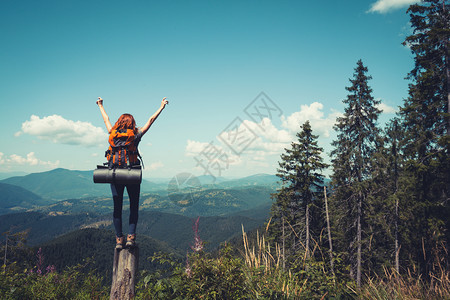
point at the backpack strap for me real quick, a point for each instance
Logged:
(139, 156)
(128, 159)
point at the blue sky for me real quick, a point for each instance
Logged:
(215, 61)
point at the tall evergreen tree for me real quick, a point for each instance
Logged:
(14, 251)
(302, 184)
(426, 119)
(388, 203)
(394, 165)
(351, 159)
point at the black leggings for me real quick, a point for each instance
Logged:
(133, 191)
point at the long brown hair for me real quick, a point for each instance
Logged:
(125, 121)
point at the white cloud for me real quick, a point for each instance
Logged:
(266, 130)
(258, 144)
(156, 165)
(211, 157)
(30, 160)
(386, 108)
(320, 125)
(194, 148)
(270, 140)
(249, 138)
(59, 130)
(384, 6)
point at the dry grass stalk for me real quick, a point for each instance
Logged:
(395, 286)
(260, 257)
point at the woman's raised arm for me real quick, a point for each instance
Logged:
(104, 115)
(152, 119)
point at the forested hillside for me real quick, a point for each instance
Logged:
(173, 229)
(97, 247)
(42, 227)
(14, 198)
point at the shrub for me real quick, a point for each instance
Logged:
(36, 283)
(202, 277)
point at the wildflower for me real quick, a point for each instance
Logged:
(50, 269)
(198, 243)
(40, 261)
(188, 269)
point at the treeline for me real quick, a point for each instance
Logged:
(387, 207)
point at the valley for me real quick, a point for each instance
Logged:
(68, 216)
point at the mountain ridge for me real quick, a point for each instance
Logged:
(60, 183)
(175, 230)
(15, 198)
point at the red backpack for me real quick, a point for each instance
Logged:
(122, 151)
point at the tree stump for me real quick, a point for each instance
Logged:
(124, 273)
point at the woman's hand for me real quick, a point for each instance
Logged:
(164, 102)
(152, 119)
(99, 101)
(104, 115)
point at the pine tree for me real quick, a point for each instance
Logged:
(302, 184)
(15, 251)
(351, 159)
(394, 165)
(426, 119)
(386, 206)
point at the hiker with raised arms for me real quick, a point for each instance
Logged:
(124, 138)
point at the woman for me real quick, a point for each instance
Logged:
(126, 125)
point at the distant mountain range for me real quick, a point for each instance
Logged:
(4, 175)
(210, 202)
(56, 202)
(71, 217)
(43, 188)
(59, 184)
(267, 180)
(15, 198)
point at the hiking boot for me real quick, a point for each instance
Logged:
(119, 242)
(131, 240)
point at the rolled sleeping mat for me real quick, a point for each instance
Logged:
(132, 175)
